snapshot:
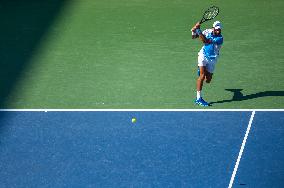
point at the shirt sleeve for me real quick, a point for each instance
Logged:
(206, 32)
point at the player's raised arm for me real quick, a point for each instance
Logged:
(193, 30)
(202, 37)
(197, 33)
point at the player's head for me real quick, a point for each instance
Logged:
(217, 27)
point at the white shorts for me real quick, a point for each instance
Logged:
(206, 62)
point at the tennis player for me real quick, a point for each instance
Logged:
(207, 56)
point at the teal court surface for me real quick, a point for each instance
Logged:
(167, 148)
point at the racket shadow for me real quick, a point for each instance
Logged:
(24, 23)
(239, 96)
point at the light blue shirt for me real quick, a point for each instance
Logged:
(211, 49)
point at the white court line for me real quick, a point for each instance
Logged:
(140, 110)
(241, 151)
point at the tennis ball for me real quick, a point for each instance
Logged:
(133, 120)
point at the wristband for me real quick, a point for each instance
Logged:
(198, 31)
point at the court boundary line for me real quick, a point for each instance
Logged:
(241, 150)
(141, 110)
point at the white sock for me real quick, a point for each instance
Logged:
(198, 95)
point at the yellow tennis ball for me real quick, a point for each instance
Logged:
(133, 120)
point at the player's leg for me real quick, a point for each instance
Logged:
(208, 76)
(210, 67)
(201, 78)
(202, 62)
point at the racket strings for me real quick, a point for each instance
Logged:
(211, 13)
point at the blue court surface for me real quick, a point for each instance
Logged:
(162, 149)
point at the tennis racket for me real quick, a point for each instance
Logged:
(210, 14)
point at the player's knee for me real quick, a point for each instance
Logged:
(208, 77)
(208, 80)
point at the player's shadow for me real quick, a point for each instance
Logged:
(239, 96)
